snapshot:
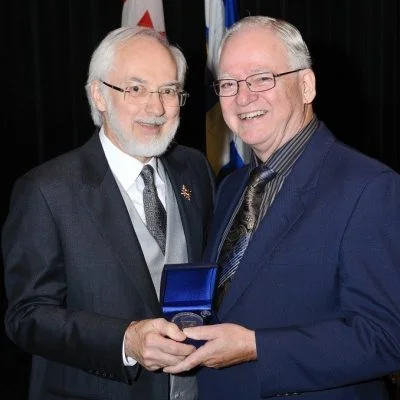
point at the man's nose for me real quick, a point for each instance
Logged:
(154, 103)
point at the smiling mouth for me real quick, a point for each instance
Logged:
(251, 115)
(150, 125)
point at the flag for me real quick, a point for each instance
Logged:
(145, 13)
(225, 151)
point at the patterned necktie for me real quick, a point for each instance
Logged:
(156, 217)
(242, 227)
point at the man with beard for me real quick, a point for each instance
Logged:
(82, 262)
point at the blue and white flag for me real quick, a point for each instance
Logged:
(225, 151)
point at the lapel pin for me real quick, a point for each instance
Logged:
(186, 193)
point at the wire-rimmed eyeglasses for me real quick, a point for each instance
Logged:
(256, 83)
(169, 96)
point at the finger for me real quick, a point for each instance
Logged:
(191, 361)
(206, 332)
(167, 360)
(155, 359)
(173, 332)
(176, 348)
(178, 368)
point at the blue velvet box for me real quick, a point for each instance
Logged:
(187, 292)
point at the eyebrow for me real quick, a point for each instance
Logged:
(135, 79)
(258, 71)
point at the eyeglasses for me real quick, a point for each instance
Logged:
(256, 83)
(169, 96)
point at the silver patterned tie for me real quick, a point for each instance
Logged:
(242, 227)
(156, 217)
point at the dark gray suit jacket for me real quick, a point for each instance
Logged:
(76, 277)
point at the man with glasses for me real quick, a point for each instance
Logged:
(89, 232)
(306, 237)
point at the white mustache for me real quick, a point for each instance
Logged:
(152, 120)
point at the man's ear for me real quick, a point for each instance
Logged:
(308, 85)
(97, 96)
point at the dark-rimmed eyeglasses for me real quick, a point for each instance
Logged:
(169, 96)
(256, 83)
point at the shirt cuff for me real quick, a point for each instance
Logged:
(128, 361)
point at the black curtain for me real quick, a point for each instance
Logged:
(46, 49)
(355, 49)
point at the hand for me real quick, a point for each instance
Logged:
(155, 343)
(227, 344)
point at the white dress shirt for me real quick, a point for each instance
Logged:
(127, 170)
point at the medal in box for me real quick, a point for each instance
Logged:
(187, 292)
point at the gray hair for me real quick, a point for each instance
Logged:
(103, 58)
(297, 50)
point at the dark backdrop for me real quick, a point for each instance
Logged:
(46, 50)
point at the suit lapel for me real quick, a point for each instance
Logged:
(283, 214)
(103, 201)
(298, 190)
(228, 197)
(187, 197)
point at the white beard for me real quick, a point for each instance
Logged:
(154, 147)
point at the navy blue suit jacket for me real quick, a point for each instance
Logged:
(319, 282)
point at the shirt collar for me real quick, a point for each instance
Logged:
(124, 167)
(282, 160)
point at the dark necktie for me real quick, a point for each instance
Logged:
(156, 217)
(242, 227)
